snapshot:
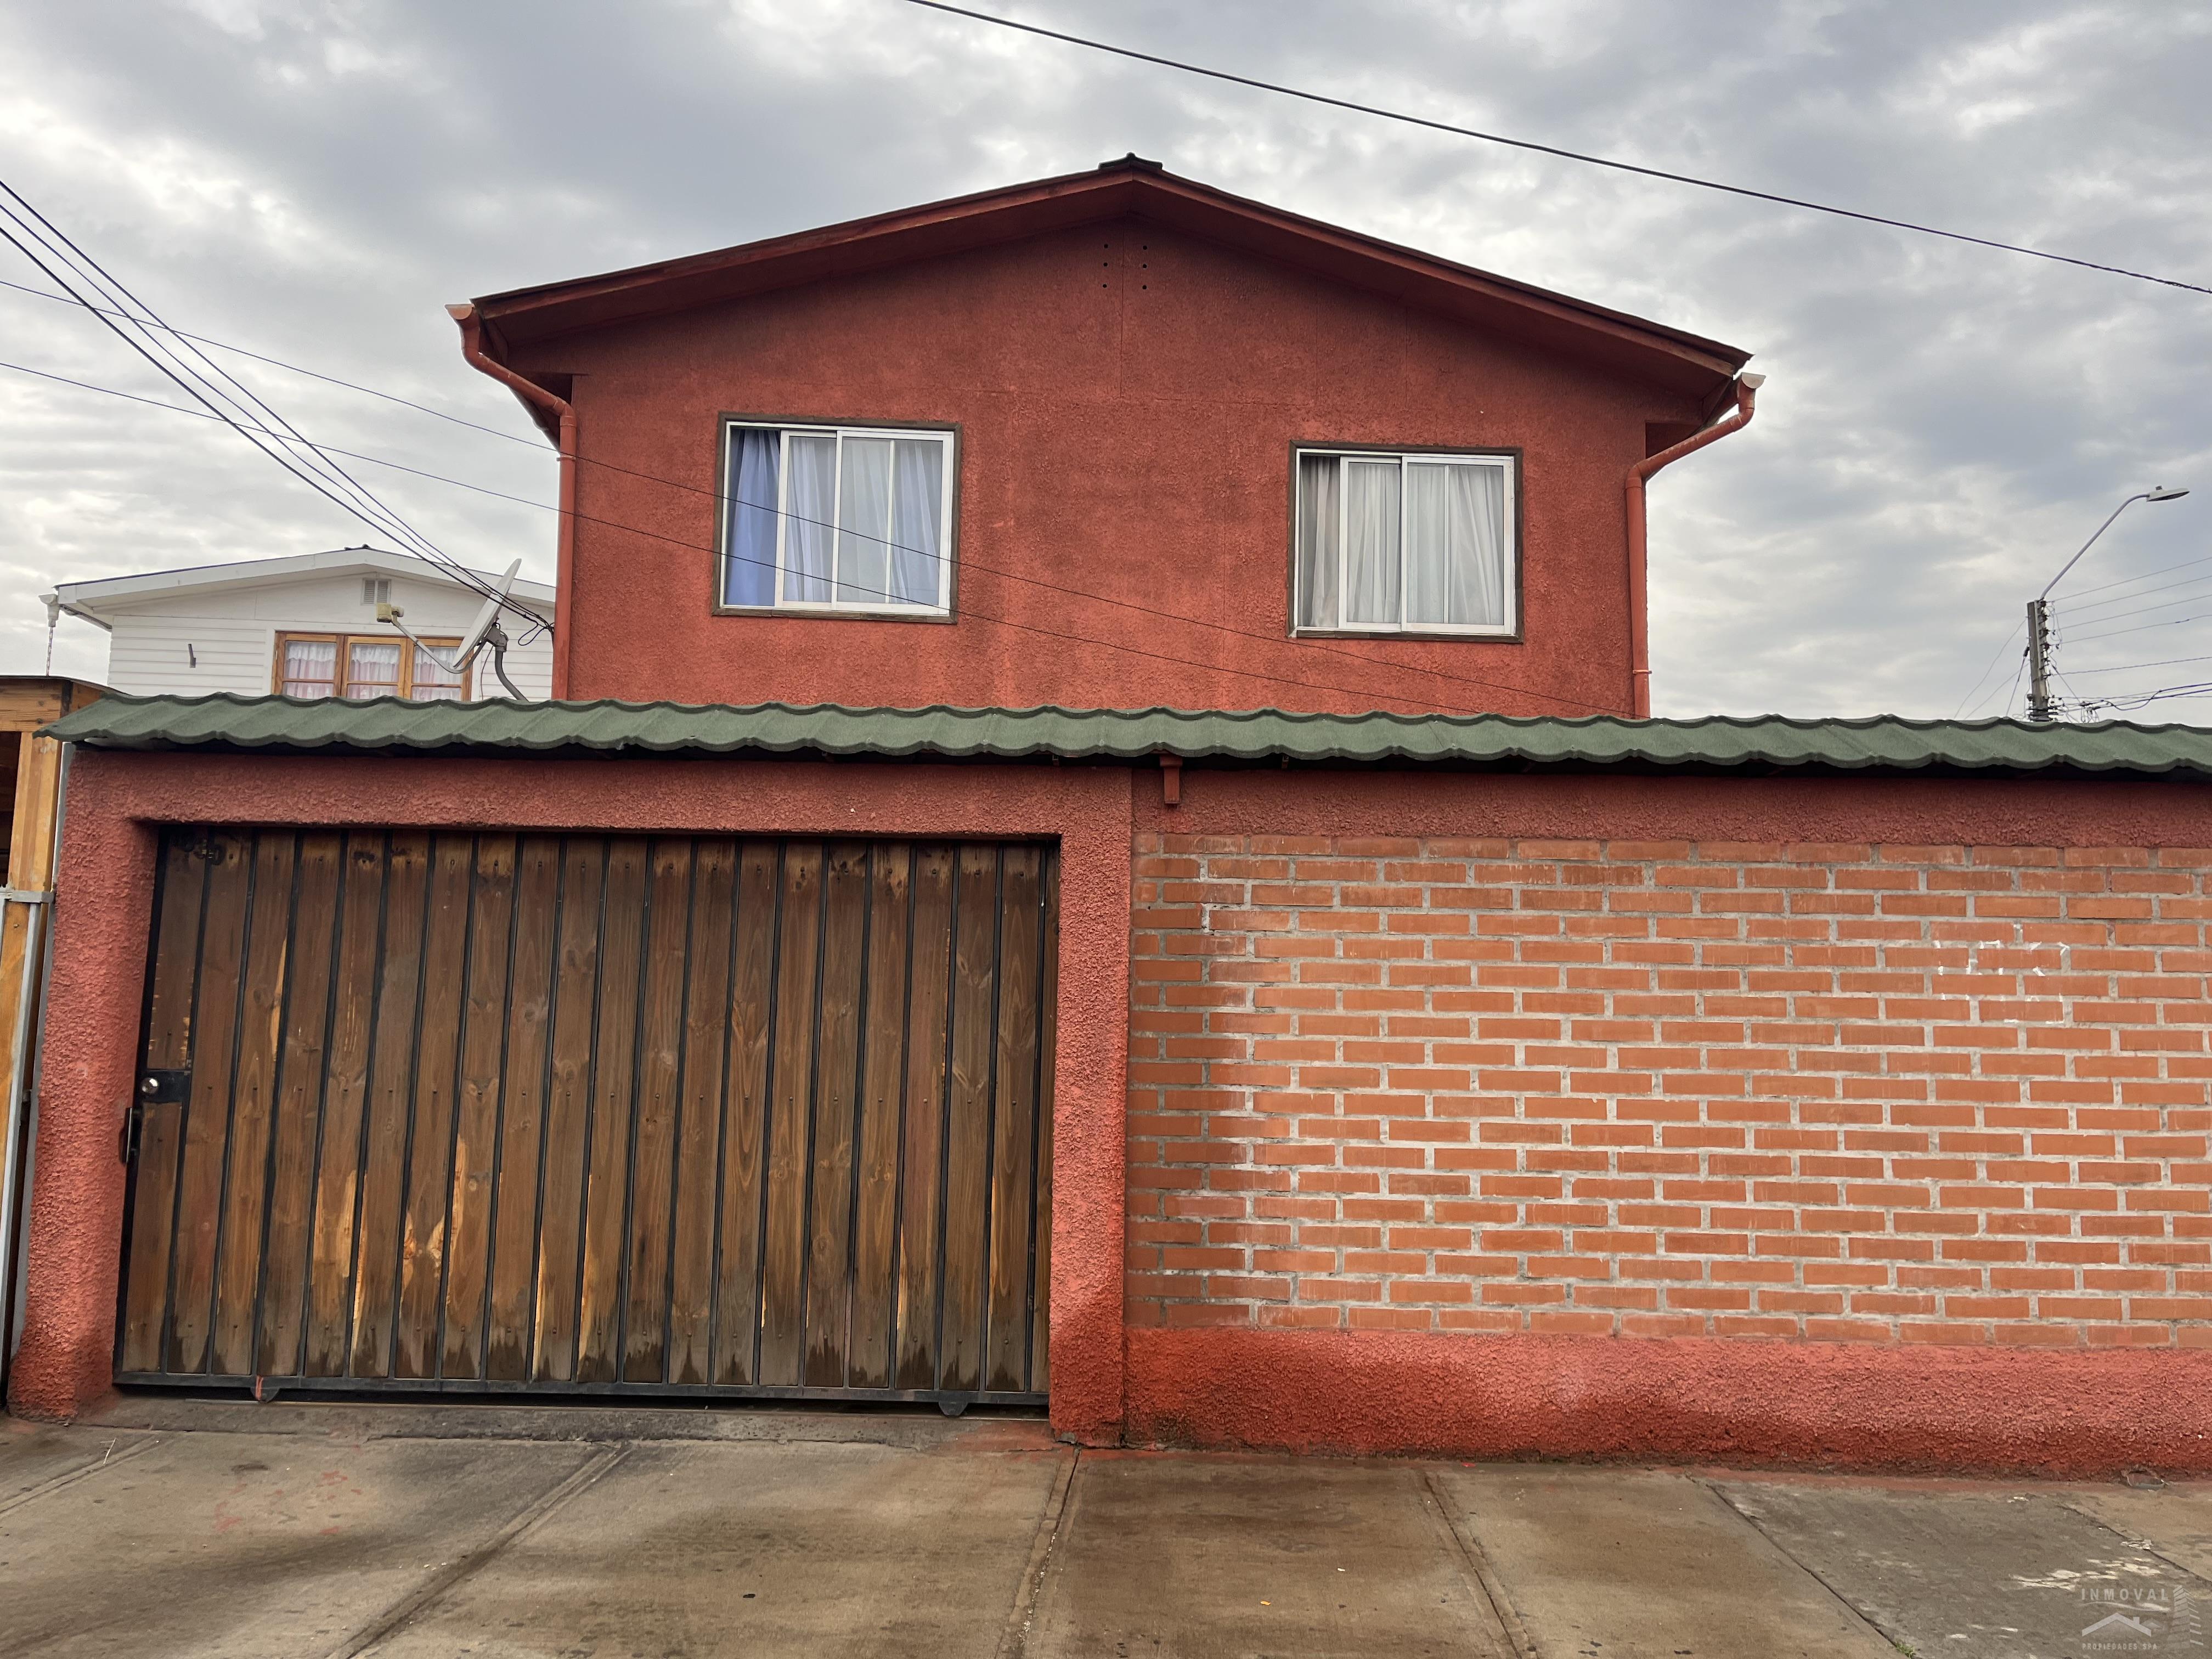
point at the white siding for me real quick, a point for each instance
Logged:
(233, 634)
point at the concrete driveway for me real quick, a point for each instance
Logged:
(199, 1528)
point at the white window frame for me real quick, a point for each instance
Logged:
(947, 441)
(1507, 463)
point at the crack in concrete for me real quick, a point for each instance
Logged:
(403, 1612)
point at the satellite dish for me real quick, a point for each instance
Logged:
(487, 619)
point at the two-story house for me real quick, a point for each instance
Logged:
(1099, 845)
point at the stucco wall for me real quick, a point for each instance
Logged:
(1127, 399)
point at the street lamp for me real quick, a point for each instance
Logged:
(2038, 610)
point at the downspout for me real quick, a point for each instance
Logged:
(471, 327)
(1639, 622)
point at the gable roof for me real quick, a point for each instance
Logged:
(1758, 746)
(93, 600)
(1131, 187)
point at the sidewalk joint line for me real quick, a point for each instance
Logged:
(405, 1610)
(83, 1471)
(1014, 1640)
(1484, 1571)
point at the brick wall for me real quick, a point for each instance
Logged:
(1876, 1094)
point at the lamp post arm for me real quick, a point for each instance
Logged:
(2091, 542)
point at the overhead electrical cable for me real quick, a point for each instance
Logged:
(2125, 581)
(2084, 612)
(2129, 668)
(1586, 160)
(2139, 628)
(957, 610)
(1070, 593)
(338, 484)
(1991, 668)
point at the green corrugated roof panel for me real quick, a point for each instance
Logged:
(388, 724)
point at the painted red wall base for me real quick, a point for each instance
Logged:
(1800, 1404)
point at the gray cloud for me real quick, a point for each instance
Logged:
(1942, 427)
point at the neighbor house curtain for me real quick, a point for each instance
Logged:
(917, 514)
(1317, 516)
(1372, 510)
(311, 668)
(371, 669)
(432, 681)
(863, 521)
(1455, 545)
(749, 576)
(809, 505)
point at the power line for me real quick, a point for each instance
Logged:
(979, 615)
(724, 500)
(1552, 150)
(1988, 670)
(335, 482)
(2125, 581)
(312, 375)
(2140, 627)
(2080, 612)
(2129, 668)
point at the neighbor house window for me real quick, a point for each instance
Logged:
(837, 520)
(1405, 543)
(355, 666)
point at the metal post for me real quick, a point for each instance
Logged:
(2038, 659)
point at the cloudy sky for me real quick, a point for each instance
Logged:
(1942, 427)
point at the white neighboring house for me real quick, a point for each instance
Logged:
(305, 626)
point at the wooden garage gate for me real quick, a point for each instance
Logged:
(588, 1114)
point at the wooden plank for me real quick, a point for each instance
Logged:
(476, 1108)
(875, 1228)
(791, 1079)
(416, 1343)
(161, 1128)
(207, 1113)
(24, 707)
(298, 1105)
(837, 1044)
(660, 1073)
(1013, 1123)
(338, 1171)
(583, 869)
(614, 1104)
(744, 1125)
(968, 1131)
(923, 1161)
(260, 1029)
(511, 1318)
(391, 1104)
(1040, 1380)
(699, 1136)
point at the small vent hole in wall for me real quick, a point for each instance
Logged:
(376, 590)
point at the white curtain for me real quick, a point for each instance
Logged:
(754, 460)
(434, 682)
(311, 668)
(372, 671)
(917, 515)
(1370, 543)
(809, 509)
(1454, 543)
(1317, 515)
(863, 521)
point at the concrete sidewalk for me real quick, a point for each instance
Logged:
(195, 1528)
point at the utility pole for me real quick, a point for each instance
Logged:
(2038, 659)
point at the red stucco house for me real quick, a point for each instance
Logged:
(1100, 844)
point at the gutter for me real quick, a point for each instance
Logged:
(1639, 621)
(564, 413)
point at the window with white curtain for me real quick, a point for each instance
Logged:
(1405, 543)
(837, 520)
